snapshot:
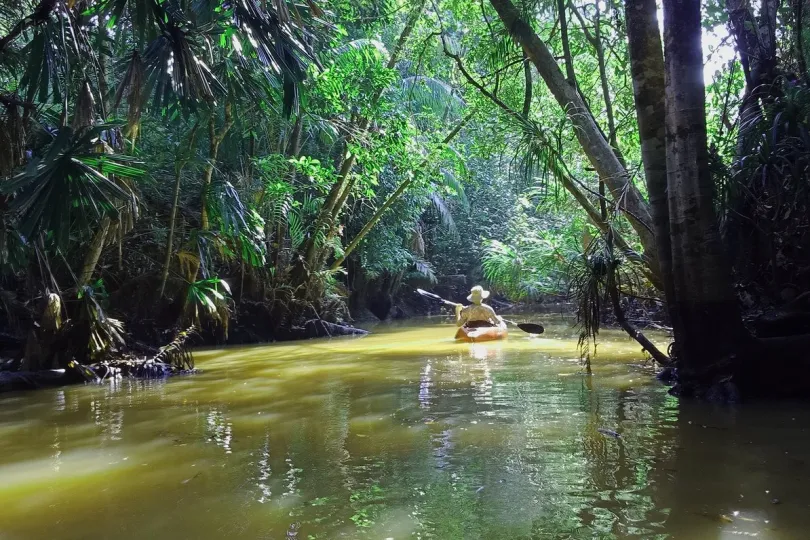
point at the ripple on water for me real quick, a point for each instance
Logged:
(401, 434)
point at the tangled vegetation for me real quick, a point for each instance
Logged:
(245, 166)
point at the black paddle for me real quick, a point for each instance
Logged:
(529, 328)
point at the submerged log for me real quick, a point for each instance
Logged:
(319, 328)
(12, 381)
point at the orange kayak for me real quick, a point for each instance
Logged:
(487, 333)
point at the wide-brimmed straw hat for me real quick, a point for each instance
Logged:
(478, 291)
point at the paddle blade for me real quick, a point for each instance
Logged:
(531, 328)
(429, 295)
(435, 297)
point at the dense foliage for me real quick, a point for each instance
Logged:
(179, 162)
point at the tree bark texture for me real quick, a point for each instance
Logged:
(566, 45)
(94, 252)
(710, 328)
(647, 68)
(527, 96)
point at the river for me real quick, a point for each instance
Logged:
(401, 434)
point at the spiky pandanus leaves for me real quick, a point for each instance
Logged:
(177, 67)
(132, 87)
(279, 42)
(46, 58)
(207, 302)
(39, 16)
(767, 193)
(241, 227)
(12, 134)
(70, 186)
(142, 15)
(103, 332)
(176, 353)
(428, 94)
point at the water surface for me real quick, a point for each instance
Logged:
(401, 434)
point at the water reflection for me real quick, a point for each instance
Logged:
(265, 470)
(399, 436)
(218, 429)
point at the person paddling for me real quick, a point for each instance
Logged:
(477, 314)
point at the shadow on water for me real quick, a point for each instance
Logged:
(402, 434)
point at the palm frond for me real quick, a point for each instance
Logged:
(363, 46)
(539, 156)
(296, 229)
(445, 216)
(225, 207)
(69, 184)
(451, 181)
(207, 302)
(132, 87)
(176, 67)
(423, 93)
(425, 268)
(43, 76)
(104, 332)
(278, 44)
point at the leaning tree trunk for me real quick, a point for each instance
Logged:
(709, 331)
(647, 68)
(394, 197)
(94, 252)
(594, 144)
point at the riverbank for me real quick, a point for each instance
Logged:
(138, 355)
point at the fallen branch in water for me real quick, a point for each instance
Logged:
(171, 359)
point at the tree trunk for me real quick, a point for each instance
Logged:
(214, 141)
(798, 38)
(527, 96)
(178, 170)
(709, 329)
(647, 68)
(340, 191)
(94, 252)
(596, 147)
(568, 182)
(566, 45)
(756, 44)
(613, 292)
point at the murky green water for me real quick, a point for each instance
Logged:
(402, 434)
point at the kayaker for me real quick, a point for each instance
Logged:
(478, 313)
